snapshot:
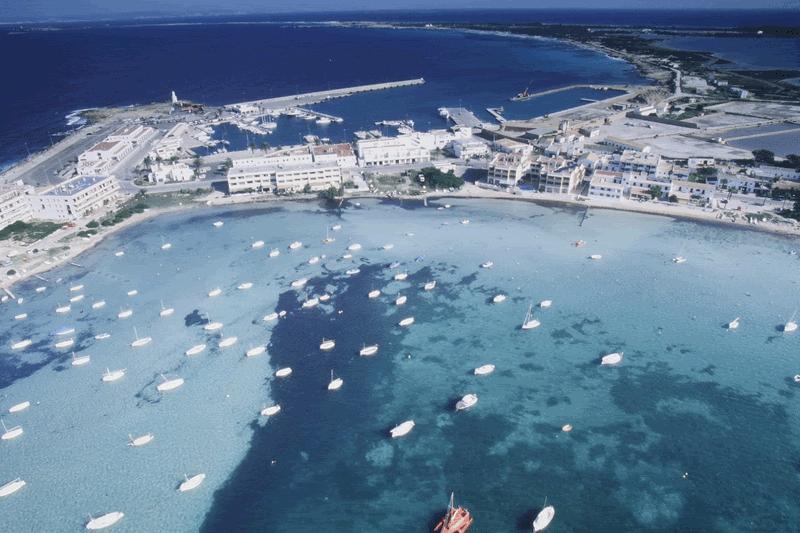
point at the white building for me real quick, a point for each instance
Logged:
(15, 204)
(76, 198)
(691, 192)
(135, 135)
(403, 150)
(469, 148)
(163, 173)
(342, 154)
(103, 157)
(644, 162)
(563, 180)
(602, 186)
(507, 169)
(284, 177)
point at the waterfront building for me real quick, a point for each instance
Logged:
(292, 177)
(402, 150)
(691, 192)
(507, 169)
(75, 198)
(163, 173)
(14, 204)
(605, 187)
(134, 135)
(639, 162)
(342, 154)
(103, 157)
(563, 180)
(171, 144)
(469, 148)
(294, 155)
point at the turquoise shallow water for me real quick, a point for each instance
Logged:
(689, 397)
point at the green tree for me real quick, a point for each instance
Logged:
(655, 191)
(307, 188)
(764, 156)
(673, 199)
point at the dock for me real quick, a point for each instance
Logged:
(496, 112)
(321, 96)
(531, 96)
(461, 116)
(318, 114)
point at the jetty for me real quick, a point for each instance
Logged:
(461, 116)
(315, 97)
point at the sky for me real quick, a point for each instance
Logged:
(22, 10)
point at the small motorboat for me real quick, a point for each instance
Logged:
(400, 300)
(196, 349)
(406, 321)
(102, 336)
(245, 286)
(228, 342)
(430, 285)
(272, 410)
(388, 246)
(133, 293)
(352, 271)
(166, 246)
(611, 359)
(487, 264)
(545, 304)
(299, 283)
(274, 252)
(595, 257)
(313, 260)
(113, 375)
(354, 247)
(169, 384)
(66, 343)
(191, 483)
(401, 276)
(327, 344)
(11, 487)
(104, 521)
(41, 289)
(21, 345)
(465, 221)
(258, 244)
(270, 317)
(790, 326)
(566, 428)
(324, 297)
(679, 259)
(374, 293)
(125, 313)
(336, 227)
(63, 309)
(213, 293)
(579, 243)
(99, 304)
(213, 326)
(466, 402)
(19, 407)
(256, 350)
(76, 288)
(484, 370)
(402, 429)
(311, 302)
(218, 224)
(119, 253)
(367, 351)
(347, 256)
(284, 372)
(295, 245)
(77, 298)
(141, 440)
(499, 298)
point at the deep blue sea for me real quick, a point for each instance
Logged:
(694, 431)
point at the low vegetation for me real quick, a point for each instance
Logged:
(28, 231)
(433, 178)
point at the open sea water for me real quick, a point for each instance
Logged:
(696, 429)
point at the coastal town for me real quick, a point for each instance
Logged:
(687, 148)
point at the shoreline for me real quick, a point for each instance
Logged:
(470, 192)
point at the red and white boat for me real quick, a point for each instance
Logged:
(456, 520)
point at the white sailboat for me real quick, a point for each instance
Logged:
(388, 246)
(139, 342)
(111, 376)
(66, 343)
(734, 324)
(406, 321)
(165, 245)
(402, 429)
(354, 247)
(102, 336)
(213, 293)
(119, 253)
(11, 487)
(228, 342)
(169, 384)
(125, 313)
(484, 370)
(80, 361)
(295, 245)
(400, 300)
(335, 383)
(791, 325)
(99, 304)
(544, 517)
(274, 252)
(77, 298)
(313, 260)
(272, 410)
(430, 285)
(218, 224)
(270, 317)
(529, 322)
(487, 264)
(374, 293)
(247, 285)
(678, 259)
(367, 351)
(63, 309)
(545, 304)
(10, 433)
(258, 245)
(132, 293)
(104, 521)
(284, 372)
(41, 289)
(336, 227)
(196, 349)
(401, 276)
(141, 440)
(191, 483)
(255, 351)
(324, 297)
(165, 311)
(595, 257)
(327, 344)
(19, 407)
(352, 271)
(21, 345)
(299, 283)
(311, 302)
(76, 288)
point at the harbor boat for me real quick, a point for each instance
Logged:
(734, 324)
(367, 351)
(394, 264)
(41, 289)
(115, 375)
(335, 383)
(611, 359)
(256, 350)
(213, 293)
(76, 288)
(10, 433)
(257, 244)
(19, 407)
(679, 259)
(295, 245)
(529, 322)
(487, 264)
(352, 271)
(544, 518)
(141, 440)
(196, 349)
(11, 487)
(169, 384)
(466, 402)
(272, 410)
(465, 221)
(125, 313)
(218, 224)
(447, 206)
(311, 302)
(245, 286)
(139, 342)
(213, 326)
(324, 297)
(336, 227)
(119, 253)
(545, 304)
(104, 521)
(21, 345)
(284, 372)
(374, 293)
(63, 309)
(165, 311)
(430, 285)
(347, 256)
(579, 243)
(402, 429)
(566, 428)
(77, 298)
(80, 361)
(191, 483)
(313, 260)
(400, 300)
(99, 304)
(274, 252)
(66, 343)
(484, 370)
(595, 257)
(228, 342)
(401, 276)
(407, 321)
(133, 293)
(791, 325)
(499, 298)
(165, 245)
(354, 247)
(388, 246)
(299, 283)
(270, 317)
(63, 332)
(102, 336)
(323, 121)
(456, 520)
(327, 344)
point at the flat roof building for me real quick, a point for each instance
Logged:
(75, 198)
(385, 151)
(14, 204)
